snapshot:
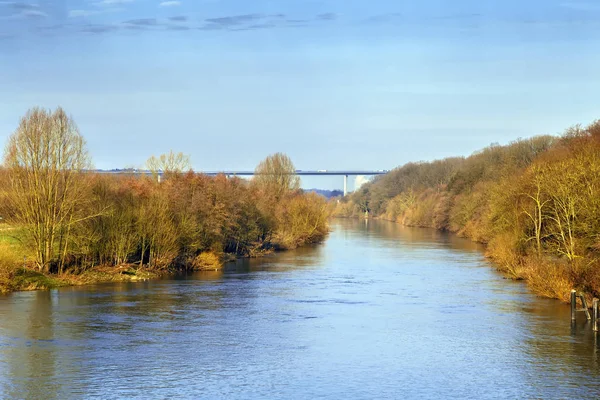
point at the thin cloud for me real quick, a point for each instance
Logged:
(459, 17)
(142, 22)
(34, 14)
(170, 4)
(211, 27)
(20, 6)
(112, 2)
(326, 17)
(177, 28)
(51, 28)
(178, 18)
(297, 23)
(135, 27)
(96, 29)
(581, 6)
(89, 13)
(235, 19)
(24, 10)
(82, 13)
(256, 27)
(245, 22)
(383, 18)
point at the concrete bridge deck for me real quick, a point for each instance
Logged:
(299, 172)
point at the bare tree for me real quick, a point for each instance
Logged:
(537, 216)
(169, 163)
(276, 175)
(44, 158)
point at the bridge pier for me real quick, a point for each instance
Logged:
(345, 185)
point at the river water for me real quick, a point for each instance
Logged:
(377, 311)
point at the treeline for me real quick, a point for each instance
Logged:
(72, 220)
(534, 202)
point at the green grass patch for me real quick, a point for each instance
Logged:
(12, 246)
(27, 279)
(11, 234)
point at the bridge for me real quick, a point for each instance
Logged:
(299, 172)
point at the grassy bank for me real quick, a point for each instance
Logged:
(23, 278)
(18, 273)
(534, 202)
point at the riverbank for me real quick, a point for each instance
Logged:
(26, 279)
(533, 202)
(14, 278)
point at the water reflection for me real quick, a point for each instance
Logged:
(379, 311)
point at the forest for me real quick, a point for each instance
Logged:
(534, 202)
(63, 223)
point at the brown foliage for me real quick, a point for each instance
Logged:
(206, 261)
(534, 201)
(302, 219)
(77, 219)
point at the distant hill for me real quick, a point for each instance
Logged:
(326, 193)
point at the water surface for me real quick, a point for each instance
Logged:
(378, 311)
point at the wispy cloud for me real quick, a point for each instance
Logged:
(170, 4)
(459, 17)
(98, 29)
(91, 13)
(581, 6)
(34, 14)
(103, 3)
(142, 22)
(235, 19)
(211, 27)
(83, 13)
(178, 28)
(51, 28)
(84, 19)
(249, 22)
(254, 27)
(383, 18)
(297, 21)
(19, 6)
(23, 10)
(326, 16)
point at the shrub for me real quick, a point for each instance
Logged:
(206, 261)
(549, 278)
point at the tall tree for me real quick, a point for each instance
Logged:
(169, 163)
(276, 175)
(44, 158)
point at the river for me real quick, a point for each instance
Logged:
(377, 311)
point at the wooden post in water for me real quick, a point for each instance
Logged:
(595, 314)
(584, 306)
(573, 304)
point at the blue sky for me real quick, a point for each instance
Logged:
(336, 84)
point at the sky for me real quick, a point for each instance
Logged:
(335, 84)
